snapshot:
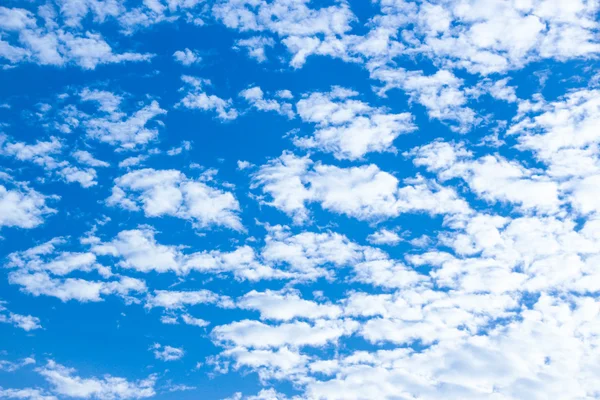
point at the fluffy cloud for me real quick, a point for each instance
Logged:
(255, 96)
(114, 126)
(25, 322)
(364, 192)
(22, 207)
(441, 94)
(196, 98)
(255, 334)
(170, 192)
(286, 306)
(384, 236)
(491, 177)
(487, 37)
(167, 353)
(64, 382)
(255, 46)
(187, 57)
(43, 270)
(45, 154)
(171, 299)
(28, 393)
(40, 40)
(531, 348)
(86, 158)
(347, 127)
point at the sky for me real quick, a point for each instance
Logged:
(293, 199)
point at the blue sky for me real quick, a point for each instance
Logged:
(289, 199)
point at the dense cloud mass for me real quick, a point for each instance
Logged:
(299, 199)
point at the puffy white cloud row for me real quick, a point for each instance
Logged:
(64, 382)
(365, 192)
(39, 38)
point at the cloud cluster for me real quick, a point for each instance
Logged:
(363, 192)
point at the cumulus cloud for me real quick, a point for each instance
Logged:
(286, 306)
(255, 96)
(463, 267)
(255, 46)
(255, 334)
(442, 94)
(27, 393)
(187, 57)
(25, 322)
(86, 158)
(197, 98)
(47, 154)
(491, 177)
(171, 299)
(40, 40)
(23, 207)
(347, 127)
(65, 382)
(170, 192)
(364, 192)
(167, 353)
(116, 127)
(43, 270)
(384, 236)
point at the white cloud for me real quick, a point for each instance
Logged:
(171, 299)
(562, 133)
(364, 192)
(384, 236)
(42, 284)
(86, 158)
(117, 128)
(185, 146)
(167, 353)
(347, 127)
(47, 257)
(25, 322)
(286, 306)
(139, 250)
(47, 44)
(187, 57)
(255, 46)
(189, 320)
(196, 98)
(43, 270)
(255, 334)
(388, 274)
(45, 154)
(297, 25)
(132, 161)
(10, 366)
(27, 393)
(310, 255)
(494, 36)
(543, 354)
(255, 96)
(23, 207)
(491, 177)
(170, 192)
(441, 94)
(242, 165)
(284, 18)
(64, 382)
